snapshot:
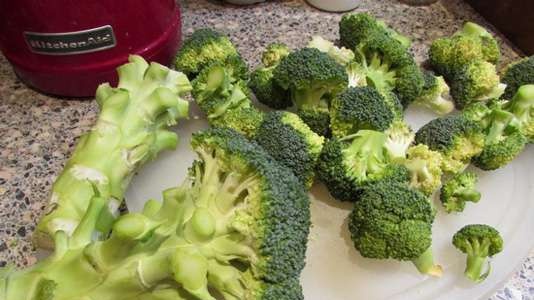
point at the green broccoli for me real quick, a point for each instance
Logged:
(435, 94)
(204, 47)
(399, 138)
(457, 138)
(518, 73)
(132, 128)
(391, 220)
(237, 228)
(478, 241)
(313, 78)
(342, 56)
(348, 164)
(266, 90)
(424, 167)
(290, 141)
(522, 106)
(458, 190)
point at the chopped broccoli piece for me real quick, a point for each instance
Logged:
(342, 56)
(391, 220)
(273, 54)
(290, 141)
(458, 190)
(435, 94)
(399, 137)
(478, 241)
(424, 166)
(518, 73)
(457, 138)
(522, 106)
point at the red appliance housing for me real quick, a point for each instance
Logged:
(68, 47)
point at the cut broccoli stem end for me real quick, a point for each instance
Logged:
(474, 267)
(425, 264)
(470, 195)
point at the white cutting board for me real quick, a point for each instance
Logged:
(335, 270)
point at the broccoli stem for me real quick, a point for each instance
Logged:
(425, 264)
(468, 194)
(310, 97)
(474, 266)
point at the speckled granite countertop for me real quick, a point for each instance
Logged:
(38, 132)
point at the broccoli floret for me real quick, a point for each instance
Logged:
(518, 73)
(458, 190)
(399, 136)
(435, 94)
(457, 138)
(522, 106)
(348, 164)
(244, 119)
(478, 241)
(342, 56)
(236, 228)
(476, 112)
(313, 78)
(391, 220)
(273, 54)
(290, 141)
(204, 47)
(424, 166)
(475, 81)
(359, 108)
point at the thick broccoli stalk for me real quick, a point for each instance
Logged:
(522, 106)
(458, 190)
(342, 56)
(457, 138)
(478, 241)
(237, 228)
(131, 129)
(313, 78)
(424, 166)
(203, 48)
(435, 95)
(391, 220)
(517, 74)
(290, 141)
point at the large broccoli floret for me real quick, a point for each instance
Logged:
(424, 166)
(237, 228)
(313, 78)
(478, 241)
(204, 47)
(348, 164)
(518, 73)
(458, 190)
(391, 220)
(290, 141)
(457, 138)
(522, 106)
(435, 94)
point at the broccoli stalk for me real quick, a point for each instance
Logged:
(435, 95)
(459, 190)
(399, 138)
(479, 242)
(522, 106)
(424, 166)
(425, 264)
(131, 129)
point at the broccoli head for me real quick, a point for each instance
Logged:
(348, 164)
(458, 190)
(236, 228)
(457, 138)
(204, 47)
(424, 166)
(435, 94)
(478, 241)
(342, 56)
(522, 106)
(313, 78)
(518, 73)
(391, 220)
(290, 141)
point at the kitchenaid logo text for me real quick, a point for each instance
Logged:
(67, 43)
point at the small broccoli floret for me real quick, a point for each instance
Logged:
(273, 54)
(476, 112)
(476, 81)
(348, 164)
(313, 78)
(244, 119)
(391, 220)
(359, 108)
(204, 47)
(435, 94)
(457, 138)
(342, 55)
(518, 73)
(290, 141)
(522, 106)
(478, 241)
(424, 166)
(458, 190)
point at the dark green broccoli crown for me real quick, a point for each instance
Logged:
(318, 119)
(353, 28)
(475, 81)
(517, 74)
(267, 91)
(479, 240)
(440, 134)
(391, 220)
(359, 108)
(500, 153)
(273, 54)
(290, 142)
(201, 49)
(458, 190)
(388, 49)
(409, 83)
(282, 215)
